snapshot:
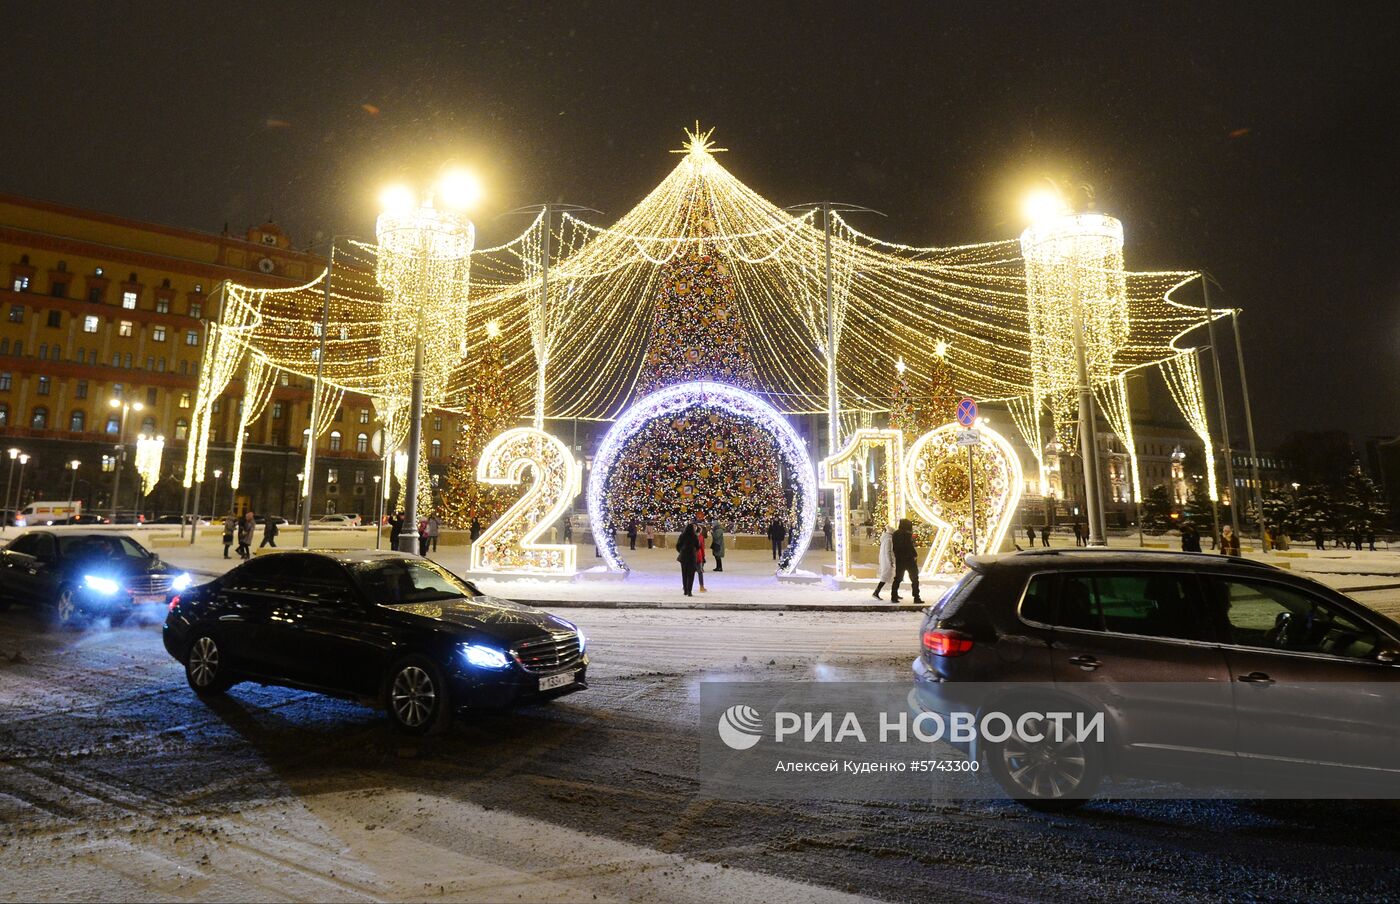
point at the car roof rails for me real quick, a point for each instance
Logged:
(1119, 550)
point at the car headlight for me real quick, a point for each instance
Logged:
(582, 640)
(105, 586)
(484, 657)
(181, 582)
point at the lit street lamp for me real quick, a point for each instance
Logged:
(73, 484)
(214, 506)
(9, 513)
(378, 513)
(19, 490)
(121, 450)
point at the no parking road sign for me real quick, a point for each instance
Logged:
(967, 412)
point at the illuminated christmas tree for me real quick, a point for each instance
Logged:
(487, 415)
(707, 462)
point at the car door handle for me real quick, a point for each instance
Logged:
(1087, 663)
(1256, 678)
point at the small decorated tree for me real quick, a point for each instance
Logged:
(488, 414)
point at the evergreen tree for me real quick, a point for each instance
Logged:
(1157, 509)
(487, 415)
(1313, 510)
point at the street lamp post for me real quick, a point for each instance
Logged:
(19, 490)
(214, 505)
(9, 513)
(378, 503)
(300, 476)
(73, 483)
(121, 450)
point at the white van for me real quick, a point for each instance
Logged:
(41, 512)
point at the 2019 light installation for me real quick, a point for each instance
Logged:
(675, 400)
(510, 543)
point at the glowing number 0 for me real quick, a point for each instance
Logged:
(935, 481)
(509, 544)
(831, 479)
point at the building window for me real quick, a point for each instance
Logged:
(192, 337)
(435, 449)
(196, 310)
(332, 475)
(55, 353)
(151, 395)
(184, 367)
(77, 421)
(55, 318)
(126, 360)
(276, 411)
(4, 346)
(90, 324)
(157, 334)
(4, 415)
(129, 300)
(109, 464)
(43, 349)
(114, 423)
(364, 415)
(45, 384)
(21, 284)
(17, 313)
(335, 440)
(359, 476)
(182, 429)
(59, 289)
(5, 380)
(148, 425)
(40, 419)
(162, 305)
(117, 359)
(124, 328)
(160, 365)
(80, 391)
(185, 401)
(362, 443)
(150, 363)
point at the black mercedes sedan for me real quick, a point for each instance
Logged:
(84, 575)
(384, 628)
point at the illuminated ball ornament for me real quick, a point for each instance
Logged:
(671, 404)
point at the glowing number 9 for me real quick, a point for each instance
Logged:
(832, 478)
(509, 544)
(936, 487)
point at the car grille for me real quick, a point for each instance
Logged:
(150, 583)
(554, 653)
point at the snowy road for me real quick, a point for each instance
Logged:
(117, 783)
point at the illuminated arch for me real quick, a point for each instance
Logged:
(673, 400)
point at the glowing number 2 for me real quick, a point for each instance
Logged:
(935, 481)
(509, 544)
(833, 478)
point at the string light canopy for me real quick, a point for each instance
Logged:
(990, 310)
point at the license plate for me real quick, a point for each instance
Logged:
(553, 681)
(148, 598)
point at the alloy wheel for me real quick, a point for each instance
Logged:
(413, 696)
(67, 608)
(1049, 769)
(204, 662)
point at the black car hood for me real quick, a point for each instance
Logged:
(123, 567)
(501, 619)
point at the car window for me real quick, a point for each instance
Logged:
(101, 546)
(409, 581)
(265, 573)
(1149, 604)
(44, 547)
(25, 544)
(1278, 617)
(1037, 600)
(949, 603)
(323, 579)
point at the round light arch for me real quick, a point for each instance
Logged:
(673, 400)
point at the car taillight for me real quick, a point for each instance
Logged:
(174, 601)
(946, 643)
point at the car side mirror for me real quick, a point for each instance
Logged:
(1389, 656)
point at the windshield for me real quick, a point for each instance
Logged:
(409, 581)
(93, 547)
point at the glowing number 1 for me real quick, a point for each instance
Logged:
(834, 476)
(509, 543)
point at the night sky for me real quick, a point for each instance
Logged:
(1257, 141)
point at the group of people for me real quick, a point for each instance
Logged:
(428, 530)
(242, 527)
(690, 552)
(645, 527)
(898, 560)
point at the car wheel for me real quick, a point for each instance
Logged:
(206, 667)
(1058, 772)
(68, 610)
(417, 698)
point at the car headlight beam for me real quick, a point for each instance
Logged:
(484, 657)
(104, 586)
(181, 582)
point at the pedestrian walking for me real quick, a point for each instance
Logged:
(1190, 538)
(1318, 540)
(826, 529)
(651, 535)
(1229, 543)
(685, 554)
(1078, 535)
(269, 533)
(884, 573)
(396, 530)
(1371, 539)
(1030, 535)
(245, 535)
(1045, 537)
(422, 536)
(229, 527)
(475, 529)
(632, 534)
(568, 530)
(434, 528)
(777, 532)
(717, 545)
(906, 561)
(700, 554)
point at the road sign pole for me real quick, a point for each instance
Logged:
(972, 497)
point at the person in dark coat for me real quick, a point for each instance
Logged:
(906, 560)
(476, 529)
(1030, 535)
(717, 544)
(1078, 534)
(686, 548)
(777, 532)
(395, 530)
(269, 533)
(1190, 538)
(1045, 536)
(1318, 540)
(1229, 543)
(245, 535)
(632, 534)
(228, 534)
(826, 529)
